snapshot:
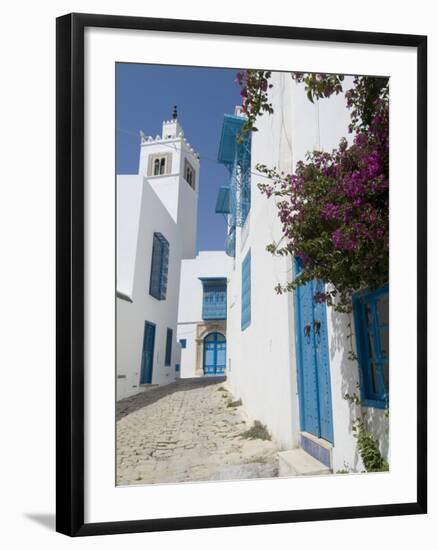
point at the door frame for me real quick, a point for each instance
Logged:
(300, 364)
(154, 326)
(216, 341)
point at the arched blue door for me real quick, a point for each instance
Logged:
(215, 351)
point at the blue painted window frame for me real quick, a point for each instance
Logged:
(215, 339)
(159, 267)
(168, 356)
(153, 327)
(214, 299)
(183, 343)
(234, 200)
(246, 292)
(374, 383)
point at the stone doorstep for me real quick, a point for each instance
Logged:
(318, 440)
(297, 462)
(319, 448)
(145, 387)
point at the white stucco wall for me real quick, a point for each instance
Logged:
(188, 354)
(262, 357)
(147, 204)
(153, 217)
(129, 196)
(187, 218)
(211, 263)
(180, 199)
(344, 375)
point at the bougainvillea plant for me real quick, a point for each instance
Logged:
(334, 209)
(254, 87)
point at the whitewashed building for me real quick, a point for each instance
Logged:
(288, 358)
(156, 230)
(202, 313)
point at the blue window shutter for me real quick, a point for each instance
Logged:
(168, 357)
(147, 360)
(164, 268)
(154, 283)
(183, 343)
(159, 267)
(246, 292)
(371, 310)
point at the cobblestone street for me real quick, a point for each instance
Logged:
(186, 431)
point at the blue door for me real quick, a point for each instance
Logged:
(147, 359)
(215, 350)
(313, 362)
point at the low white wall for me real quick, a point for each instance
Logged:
(188, 354)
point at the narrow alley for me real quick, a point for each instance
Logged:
(189, 430)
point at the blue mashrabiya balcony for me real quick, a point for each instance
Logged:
(223, 206)
(214, 301)
(234, 199)
(235, 154)
(228, 146)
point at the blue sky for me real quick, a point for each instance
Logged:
(145, 97)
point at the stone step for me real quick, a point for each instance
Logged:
(297, 462)
(146, 387)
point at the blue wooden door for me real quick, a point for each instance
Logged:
(313, 362)
(215, 350)
(147, 359)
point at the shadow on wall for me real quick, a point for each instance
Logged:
(342, 342)
(380, 429)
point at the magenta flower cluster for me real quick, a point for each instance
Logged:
(334, 209)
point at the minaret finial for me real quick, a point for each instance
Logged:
(175, 113)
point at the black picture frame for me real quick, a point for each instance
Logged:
(70, 273)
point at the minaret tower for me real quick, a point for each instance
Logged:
(171, 166)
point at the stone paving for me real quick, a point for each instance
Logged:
(185, 431)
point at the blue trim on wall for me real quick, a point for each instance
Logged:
(364, 332)
(215, 348)
(299, 356)
(246, 292)
(223, 200)
(159, 267)
(168, 356)
(317, 451)
(146, 370)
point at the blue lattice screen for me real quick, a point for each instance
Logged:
(159, 267)
(214, 302)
